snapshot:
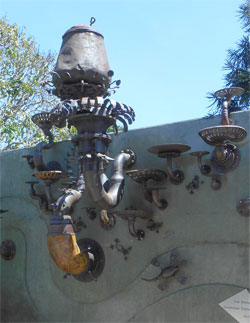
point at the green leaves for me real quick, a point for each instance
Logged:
(237, 65)
(23, 71)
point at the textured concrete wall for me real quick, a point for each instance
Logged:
(203, 228)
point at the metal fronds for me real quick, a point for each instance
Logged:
(98, 106)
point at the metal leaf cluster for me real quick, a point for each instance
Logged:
(99, 107)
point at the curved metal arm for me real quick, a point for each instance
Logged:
(176, 176)
(138, 234)
(106, 193)
(50, 135)
(160, 203)
(70, 196)
(42, 199)
(204, 168)
(169, 167)
(61, 238)
(38, 157)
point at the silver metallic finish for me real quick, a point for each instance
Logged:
(104, 192)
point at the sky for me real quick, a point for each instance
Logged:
(168, 54)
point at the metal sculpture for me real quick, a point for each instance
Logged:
(169, 152)
(168, 271)
(145, 176)
(82, 80)
(204, 168)
(226, 155)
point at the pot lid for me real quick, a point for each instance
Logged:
(82, 29)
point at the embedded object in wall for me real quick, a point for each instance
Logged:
(130, 216)
(154, 226)
(144, 177)
(204, 168)
(120, 248)
(243, 207)
(96, 260)
(226, 155)
(168, 271)
(107, 220)
(2, 211)
(169, 152)
(194, 184)
(8, 249)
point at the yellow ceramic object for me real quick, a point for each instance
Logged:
(66, 254)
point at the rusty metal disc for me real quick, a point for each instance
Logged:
(50, 174)
(215, 135)
(169, 148)
(199, 153)
(229, 92)
(42, 120)
(144, 175)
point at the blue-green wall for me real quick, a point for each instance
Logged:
(204, 228)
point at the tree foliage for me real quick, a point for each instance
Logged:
(237, 66)
(23, 72)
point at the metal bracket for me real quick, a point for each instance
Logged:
(130, 216)
(225, 158)
(8, 249)
(168, 271)
(204, 168)
(118, 246)
(169, 152)
(42, 198)
(194, 184)
(79, 225)
(136, 233)
(145, 176)
(154, 226)
(107, 220)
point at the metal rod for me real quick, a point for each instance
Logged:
(169, 167)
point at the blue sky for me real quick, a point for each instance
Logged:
(167, 53)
